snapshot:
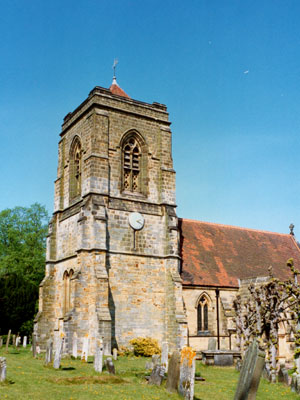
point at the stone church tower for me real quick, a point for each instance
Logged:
(112, 266)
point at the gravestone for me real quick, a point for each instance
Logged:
(115, 354)
(157, 375)
(283, 375)
(2, 369)
(38, 349)
(49, 352)
(173, 372)
(187, 373)
(98, 360)
(223, 360)
(24, 341)
(58, 350)
(34, 345)
(238, 364)
(110, 366)
(85, 348)
(74, 345)
(18, 339)
(164, 355)
(212, 344)
(8, 340)
(155, 360)
(14, 340)
(250, 374)
(294, 382)
(1, 341)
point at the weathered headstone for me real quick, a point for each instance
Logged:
(85, 348)
(238, 364)
(98, 360)
(58, 350)
(1, 341)
(283, 375)
(18, 339)
(74, 345)
(294, 382)
(155, 360)
(173, 372)
(115, 354)
(34, 345)
(157, 375)
(110, 366)
(2, 369)
(223, 360)
(250, 374)
(164, 355)
(8, 340)
(187, 373)
(212, 344)
(49, 351)
(24, 341)
(14, 340)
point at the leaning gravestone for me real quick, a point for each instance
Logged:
(24, 341)
(98, 360)
(2, 369)
(164, 355)
(157, 375)
(110, 366)
(173, 372)
(250, 374)
(74, 345)
(58, 350)
(49, 351)
(187, 373)
(8, 340)
(115, 354)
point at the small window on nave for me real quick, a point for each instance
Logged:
(67, 290)
(202, 314)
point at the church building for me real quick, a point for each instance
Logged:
(119, 263)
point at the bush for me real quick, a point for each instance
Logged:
(124, 351)
(145, 346)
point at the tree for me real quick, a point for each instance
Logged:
(22, 258)
(260, 315)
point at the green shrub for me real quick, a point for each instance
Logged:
(145, 346)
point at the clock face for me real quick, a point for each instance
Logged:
(136, 221)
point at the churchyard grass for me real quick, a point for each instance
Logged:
(28, 378)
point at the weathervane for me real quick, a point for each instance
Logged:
(114, 67)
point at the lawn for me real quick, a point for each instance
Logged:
(28, 378)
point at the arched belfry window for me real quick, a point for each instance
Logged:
(75, 168)
(67, 290)
(131, 165)
(202, 314)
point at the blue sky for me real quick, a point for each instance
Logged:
(229, 72)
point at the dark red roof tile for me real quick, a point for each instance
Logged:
(219, 255)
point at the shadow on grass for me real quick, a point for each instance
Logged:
(68, 368)
(80, 380)
(7, 382)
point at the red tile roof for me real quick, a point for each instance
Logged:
(218, 255)
(115, 89)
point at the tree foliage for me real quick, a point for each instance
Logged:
(22, 258)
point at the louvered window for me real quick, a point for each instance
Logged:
(131, 165)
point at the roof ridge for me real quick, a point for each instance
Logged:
(235, 227)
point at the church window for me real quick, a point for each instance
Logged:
(131, 165)
(67, 290)
(202, 314)
(75, 169)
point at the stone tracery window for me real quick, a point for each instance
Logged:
(67, 290)
(202, 314)
(75, 168)
(131, 165)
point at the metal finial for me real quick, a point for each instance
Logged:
(292, 226)
(114, 67)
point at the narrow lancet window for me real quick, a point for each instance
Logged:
(131, 165)
(202, 314)
(75, 169)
